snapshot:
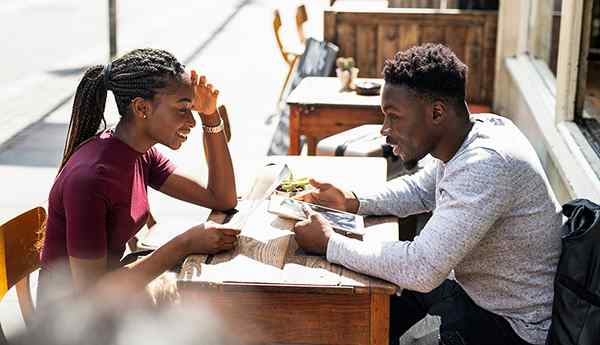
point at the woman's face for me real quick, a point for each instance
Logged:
(171, 118)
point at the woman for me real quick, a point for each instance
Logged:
(99, 198)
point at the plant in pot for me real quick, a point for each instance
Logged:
(346, 72)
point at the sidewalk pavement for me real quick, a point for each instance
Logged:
(42, 85)
(239, 56)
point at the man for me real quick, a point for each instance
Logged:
(495, 219)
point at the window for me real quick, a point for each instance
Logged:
(545, 86)
(587, 114)
(544, 31)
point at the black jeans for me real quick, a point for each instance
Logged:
(462, 321)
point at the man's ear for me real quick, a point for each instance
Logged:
(439, 111)
(141, 108)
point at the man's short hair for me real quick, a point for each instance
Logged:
(430, 70)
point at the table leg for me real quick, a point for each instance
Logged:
(380, 319)
(294, 131)
(311, 143)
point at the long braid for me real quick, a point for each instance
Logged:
(139, 73)
(88, 110)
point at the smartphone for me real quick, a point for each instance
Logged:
(343, 222)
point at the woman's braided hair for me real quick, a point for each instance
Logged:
(139, 73)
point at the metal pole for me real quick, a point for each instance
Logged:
(112, 28)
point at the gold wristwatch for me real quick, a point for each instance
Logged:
(214, 129)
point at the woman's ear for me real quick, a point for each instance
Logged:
(141, 108)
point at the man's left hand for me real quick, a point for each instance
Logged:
(313, 234)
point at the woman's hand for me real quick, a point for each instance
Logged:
(205, 97)
(210, 238)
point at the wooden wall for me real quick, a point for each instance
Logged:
(373, 36)
(422, 3)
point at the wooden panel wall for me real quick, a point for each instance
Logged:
(422, 3)
(371, 37)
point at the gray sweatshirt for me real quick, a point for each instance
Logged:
(495, 222)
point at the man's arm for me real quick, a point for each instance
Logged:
(474, 196)
(406, 195)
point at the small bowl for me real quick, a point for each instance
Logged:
(294, 193)
(368, 88)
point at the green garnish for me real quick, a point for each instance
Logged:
(292, 185)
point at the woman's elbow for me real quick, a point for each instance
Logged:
(225, 204)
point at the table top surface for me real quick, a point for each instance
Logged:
(325, 91)
(268, 258)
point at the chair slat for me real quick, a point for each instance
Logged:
(19, 256)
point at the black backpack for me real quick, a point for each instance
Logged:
(576, 308)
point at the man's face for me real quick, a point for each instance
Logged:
(407, 125)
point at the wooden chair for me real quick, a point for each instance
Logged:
(301, 18)
(318, 59)
(225, 117)
(20, 257)
(290, 56)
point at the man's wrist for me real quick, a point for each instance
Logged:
(331, 244)
(328, 234)
(351, 203)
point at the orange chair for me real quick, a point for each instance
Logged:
(288, 56)
(20, 257)
(226, 124)
(301, 18)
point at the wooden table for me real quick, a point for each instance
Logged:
(319, 109)
(268, 291)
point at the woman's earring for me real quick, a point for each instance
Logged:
(145, 116)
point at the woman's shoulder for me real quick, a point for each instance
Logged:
(84, 177)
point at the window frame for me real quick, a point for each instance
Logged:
(551, 100)
(571, 68)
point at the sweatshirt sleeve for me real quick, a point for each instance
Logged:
(403, 196)
(474, 192)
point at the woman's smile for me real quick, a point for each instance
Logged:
(182, 134)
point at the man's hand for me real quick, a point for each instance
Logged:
(326, 194)
(313, 234)
(205, 97)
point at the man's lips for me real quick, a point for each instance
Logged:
(390, 141)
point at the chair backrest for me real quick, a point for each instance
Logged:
(317, 61)
(301, 18)
(276, 30)
(225, 118)
(19, 256)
